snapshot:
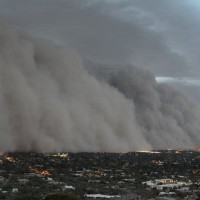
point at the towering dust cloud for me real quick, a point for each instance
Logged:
(49, 102)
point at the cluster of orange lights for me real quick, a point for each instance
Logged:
(167, 181)
(99, 171)
(10, 159)
(157, 162)
(36, 171)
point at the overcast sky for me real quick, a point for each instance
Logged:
(159, 35)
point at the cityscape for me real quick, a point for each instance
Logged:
(165, 174)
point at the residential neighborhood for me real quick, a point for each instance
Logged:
(166, 174)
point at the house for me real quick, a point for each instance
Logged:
(167, 194)
(101, 196)
(49, 179)
(15, 190)
(68, 187)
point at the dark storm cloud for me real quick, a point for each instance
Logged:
(139, 32)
